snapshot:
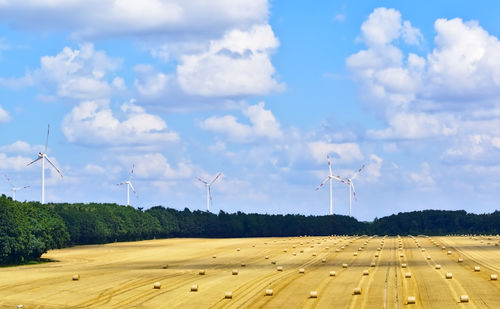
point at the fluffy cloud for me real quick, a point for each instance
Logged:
(14, 163)
(448, 92)
(93, 123)
(21, 147)
(156, 166)
(263, 124)
(4, 115)
(238, 64)
(423, 179)
(341, 152)
(173, 18)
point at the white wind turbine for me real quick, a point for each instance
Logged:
(129, 185)
(207, 186)
(349, 181)
(14, 188)
(43, 157)
(330, 177)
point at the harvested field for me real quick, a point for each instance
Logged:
(123, 275)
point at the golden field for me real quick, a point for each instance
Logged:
(122, 275)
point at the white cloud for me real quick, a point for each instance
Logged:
(4, 115)
(14, 163)
(150, 83)
(263, 124)
(424, 179)
(95, 18)
(372, 169)
(238, 64)
(341, 152)
(21, 147)
(156, 166)
(93, 123)
(411, 126)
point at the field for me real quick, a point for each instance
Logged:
(122, 275)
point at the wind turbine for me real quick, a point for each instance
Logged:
(350, 183)
(207, 186)
(43, 157)
(330, 177)
(14, 188)
(129, 185)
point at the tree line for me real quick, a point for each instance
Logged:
(29, 229)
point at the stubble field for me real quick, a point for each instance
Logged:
(122, 275)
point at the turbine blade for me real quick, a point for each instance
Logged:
(121, 183)
(47, 139)
(210, 193)
(132, 187)
(357, 172)
(321, 185)
(25, 187)
(353, 191)
(34, 161)
(131, 172)
(54, 166)
(329, 164)
(216, 177)
(199, 179)
(10, 182)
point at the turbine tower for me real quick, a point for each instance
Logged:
(330, 177)
(129, 185)
(14, 188)
(43, 156)
(350, 183)
(207, 186)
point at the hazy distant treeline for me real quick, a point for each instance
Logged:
(28, 229)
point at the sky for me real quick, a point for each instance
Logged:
(261, 91)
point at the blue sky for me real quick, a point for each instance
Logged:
(260, 91)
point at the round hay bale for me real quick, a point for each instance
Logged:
(269, 292)
(428, 257)
(477, 268)
(373, 264)
(460, 260)
(327, 247)
(266, 257)
(294, 254)
(376, 255)
(344, 265)
(423, 250)
(165, 266)
(493, 277)
(279, 268)
(366, 272)
(214, 256)
(273, 262)
(357, 291)
(228, 295)
(403, 265)
(359, 249)
(201, 272)
(332, 273)
(313, 294)
(449, 252)
(302, 270)
(238, 249)
(157, 285)
(285, 250)
(234, 272)
(449, 275)
(243, 264)
(323, 260)
(194, 288)
(411, 300)
(337, 250)
(314, 254)
(294, 246)
(76, 277)
(355, 254)
(401, 255)
(378, 249)
(438, 266)
(408, 275)
(464, 298)
(443, 247)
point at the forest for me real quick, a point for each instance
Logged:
(29, 229)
